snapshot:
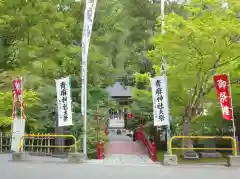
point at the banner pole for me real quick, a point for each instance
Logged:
(13, 114)
(87, 30)
(22, 111)
(233, 122)
(230, 92)
(163, 32)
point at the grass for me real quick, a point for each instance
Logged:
(160, 157)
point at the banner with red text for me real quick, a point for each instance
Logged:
(221, 83)
(18, 123)
(17, 97)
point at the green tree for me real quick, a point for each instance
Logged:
(196, 48)
(40, 54)
(31, 102)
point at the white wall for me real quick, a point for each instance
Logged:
(116, 123)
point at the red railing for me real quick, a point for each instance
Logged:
(140, 136)
(151, 147)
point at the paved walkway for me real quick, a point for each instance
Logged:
(124, 147)
(122, 150)
(10, 170)
(127, 159)
(119, 159)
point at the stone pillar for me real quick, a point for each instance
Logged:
(76, 158)
(170, 159)
(20, 156)
(210, 143)
(233, 161)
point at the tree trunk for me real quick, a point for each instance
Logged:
(187, 143)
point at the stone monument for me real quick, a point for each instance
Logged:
(189, 154)
(210, 143)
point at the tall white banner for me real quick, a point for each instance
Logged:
(86, 36)
(160, 100)
(64, 102)
(18, 124)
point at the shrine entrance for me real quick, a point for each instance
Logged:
(121, 148)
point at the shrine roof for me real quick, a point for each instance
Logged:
(119, 90)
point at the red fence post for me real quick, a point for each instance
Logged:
(154, 152)
(138, 133)
(100, 151)
(98, 154)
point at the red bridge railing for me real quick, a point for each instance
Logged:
(151, 147)
(140, 136)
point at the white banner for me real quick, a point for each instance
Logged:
(160, 100)
(86, 36)
(64, 102)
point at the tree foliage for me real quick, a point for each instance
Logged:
(201, 41)
(40, 41)
(31, 104)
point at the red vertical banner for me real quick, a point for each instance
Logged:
(17, 96)
(14, 106)
(221, 83)
(18, 125)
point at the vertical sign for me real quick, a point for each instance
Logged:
(64, 102)
(18, 125)
(160, 101)
(86, 36)
(221, 83)
(87, 30)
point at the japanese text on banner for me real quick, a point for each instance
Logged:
(17, 96)
(221, 83)
(18, 124)
(160, 105)
(64, 102)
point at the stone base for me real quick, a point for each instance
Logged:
(233, 161)
(170, 159)
(190, 155)
(76, 158)
(61, 155)
(210, 155)
(20, 156)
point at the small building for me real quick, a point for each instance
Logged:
(122, 95)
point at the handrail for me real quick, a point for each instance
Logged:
(150, 146)
(21, 143)
(234, 148)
